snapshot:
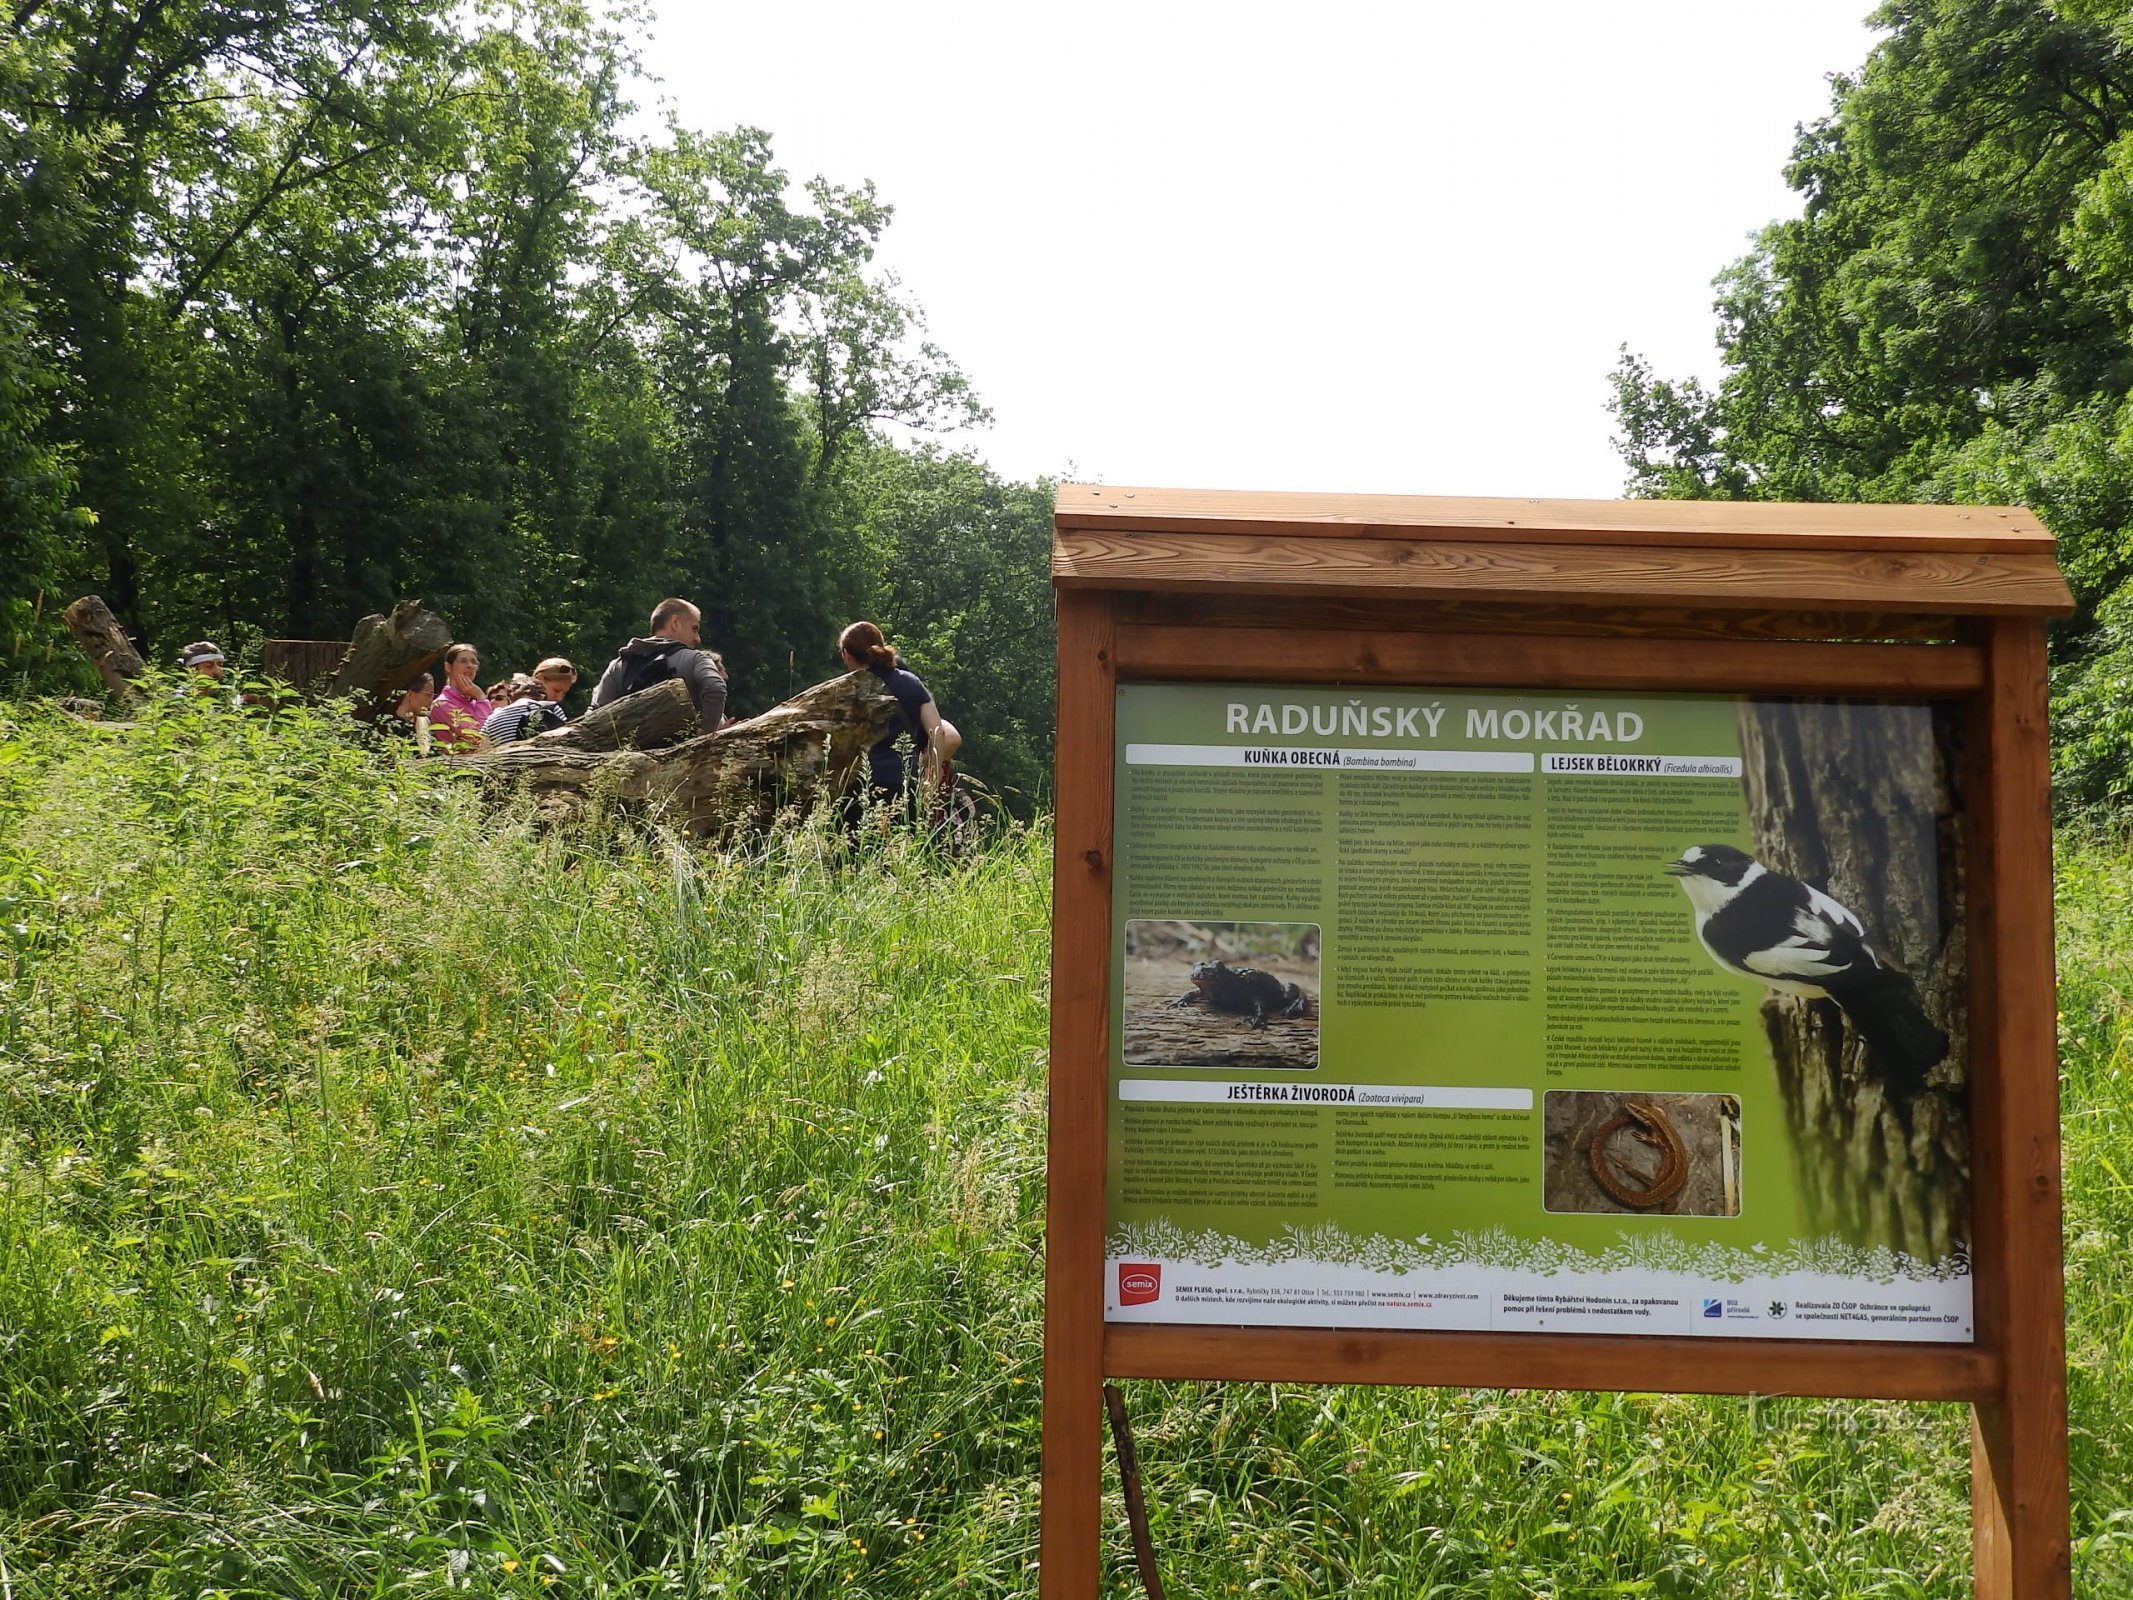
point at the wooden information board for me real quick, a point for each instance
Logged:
(1556, 944)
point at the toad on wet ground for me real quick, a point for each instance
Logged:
(1243, 991)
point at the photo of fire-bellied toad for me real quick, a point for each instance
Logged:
(1221, 994)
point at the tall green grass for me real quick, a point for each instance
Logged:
(395, 1201)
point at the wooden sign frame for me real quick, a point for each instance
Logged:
(1932, 602)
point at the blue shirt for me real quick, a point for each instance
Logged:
(888, 768)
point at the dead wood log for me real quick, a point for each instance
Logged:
(787, 759)
(105, 643)
(639, 721)
(1192, 1036)
(741, 777)
(386, 654)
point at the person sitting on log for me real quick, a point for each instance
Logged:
(461, 708)
(526, 711)
(674, 649)
(933, 739)
(411, 711)
(558, 677)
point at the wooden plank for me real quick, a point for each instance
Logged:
(1836, 1368)
(1410, 615)
(1566, 575)
(1988, 1213)
(2019, 1492)
(1456, 660)
(1071, 1474)
(1735, 524)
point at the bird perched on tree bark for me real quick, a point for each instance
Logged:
(1797, 940)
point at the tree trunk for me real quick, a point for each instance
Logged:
(785, 760)
(105, 643)
(639, 721)
(1858, 800)
(739, 778)
(386, 654)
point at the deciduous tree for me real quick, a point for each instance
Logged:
(1949, 317)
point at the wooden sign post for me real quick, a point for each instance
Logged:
(1361, 804)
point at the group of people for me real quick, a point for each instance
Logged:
(463, 717)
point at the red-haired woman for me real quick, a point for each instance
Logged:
(933, 738)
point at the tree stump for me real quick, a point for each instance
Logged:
(105, 643)
(302, 664)
(1858, 800)
(386, 654)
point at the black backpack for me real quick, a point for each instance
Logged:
(541, 717)
(641, 672)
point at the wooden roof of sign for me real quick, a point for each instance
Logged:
(1950, 560)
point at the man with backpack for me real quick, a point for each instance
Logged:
(674, 650)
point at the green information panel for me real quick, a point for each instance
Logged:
(1501, 1011)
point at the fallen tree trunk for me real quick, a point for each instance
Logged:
(741, 777)
(785, 760)
(635, 722)
(386, 654)
(105, 643)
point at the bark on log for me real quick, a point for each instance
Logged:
(1858, 800)
(385, 655)
(785, 760)
(303, 664)
(105, 643)
(736, 779)
(641, 721)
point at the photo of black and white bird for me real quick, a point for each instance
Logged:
(1793, 938)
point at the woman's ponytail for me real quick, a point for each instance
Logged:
(864, 641)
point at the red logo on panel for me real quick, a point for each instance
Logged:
(1139, 1282)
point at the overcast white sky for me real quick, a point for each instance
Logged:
(1321, 245)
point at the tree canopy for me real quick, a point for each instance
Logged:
(1949, 318)
(312, 306)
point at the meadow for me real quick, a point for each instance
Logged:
(395, 1201)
